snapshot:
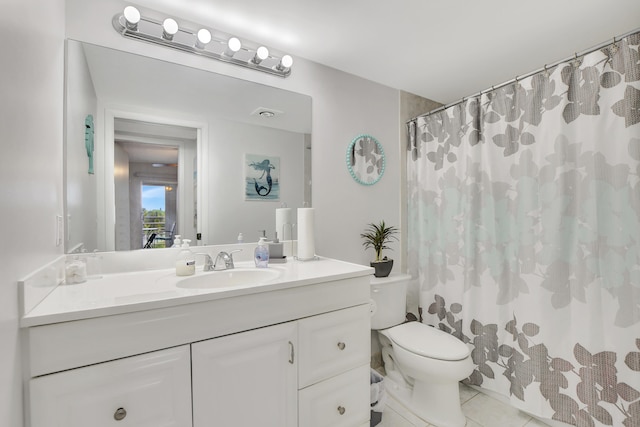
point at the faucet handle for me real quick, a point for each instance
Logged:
(230, 263)
(208, 261)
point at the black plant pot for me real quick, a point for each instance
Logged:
(383, 268)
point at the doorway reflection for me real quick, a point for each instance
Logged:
(148, 187)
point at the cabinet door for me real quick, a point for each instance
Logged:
(333, 343)
(152, 389)
(246, 379)
(341, 401)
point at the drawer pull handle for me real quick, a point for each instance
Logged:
(341, 410)
(119, 414)
(291, 353)
(341, 345)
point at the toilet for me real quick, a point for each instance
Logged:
(423, 364)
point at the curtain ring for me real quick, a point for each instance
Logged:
(576, 61)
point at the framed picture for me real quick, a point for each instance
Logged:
(262, 177)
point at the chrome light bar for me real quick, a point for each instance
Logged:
(200, 42)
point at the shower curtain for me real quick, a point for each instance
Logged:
(524, 235)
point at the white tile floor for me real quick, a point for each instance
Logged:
(479, 409)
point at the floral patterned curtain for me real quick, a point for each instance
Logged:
(524, 235)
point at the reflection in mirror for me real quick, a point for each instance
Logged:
(139, 102)
(147, 185)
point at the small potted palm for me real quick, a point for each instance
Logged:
(377, 236)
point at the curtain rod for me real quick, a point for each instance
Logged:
(524, 76)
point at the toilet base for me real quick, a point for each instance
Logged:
(437, 404)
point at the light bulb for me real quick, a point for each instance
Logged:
(169, 28)
(261, 54)
(233, 45)
(204, 37)
(285, 63)
(132, 17)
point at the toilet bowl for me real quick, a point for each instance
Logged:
(423, 364)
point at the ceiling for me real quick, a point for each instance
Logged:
(439, 49)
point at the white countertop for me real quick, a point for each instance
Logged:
(145, 290)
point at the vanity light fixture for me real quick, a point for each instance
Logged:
(169, 29)
(131, 24)
(233, 45)
(131, 17)
(262, 53)
(285, 63)
(203, 38)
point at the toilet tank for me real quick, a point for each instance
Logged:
(388, 300)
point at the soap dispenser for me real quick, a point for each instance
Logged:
(261, 253)
(186, 261)
(177, 242)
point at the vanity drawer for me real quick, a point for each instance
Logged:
(152, 389)
(333, 343)
(341, 401)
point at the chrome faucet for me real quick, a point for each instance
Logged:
(225, 257)
(208, 261)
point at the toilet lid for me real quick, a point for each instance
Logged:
(427, 341)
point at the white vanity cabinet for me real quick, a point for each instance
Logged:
(247, 379)
(149, 390)
(295, 356)
(334, 368)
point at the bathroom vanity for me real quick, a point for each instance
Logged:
(287, 348)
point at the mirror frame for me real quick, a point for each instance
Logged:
(105, 150)
(354, 166)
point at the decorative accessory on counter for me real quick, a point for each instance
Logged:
(276, 250)
(75, 271)
(186, 261)
(226, 48)
(261, 253)
(365, 159)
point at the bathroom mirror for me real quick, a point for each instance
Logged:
(365, 159)
(178, 134)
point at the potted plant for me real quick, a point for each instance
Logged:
(377, 236)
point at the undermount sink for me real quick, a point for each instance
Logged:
(227, 278)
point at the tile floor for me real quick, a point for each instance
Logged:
(479, 409)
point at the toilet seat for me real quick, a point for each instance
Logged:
(427, 341)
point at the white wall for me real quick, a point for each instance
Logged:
(80, 186)
(344, 106)
(227, 204)
(31, 121)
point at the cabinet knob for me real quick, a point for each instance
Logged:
(341, 345)
(119, 414)
(341, 410)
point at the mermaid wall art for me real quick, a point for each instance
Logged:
(262, 177)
